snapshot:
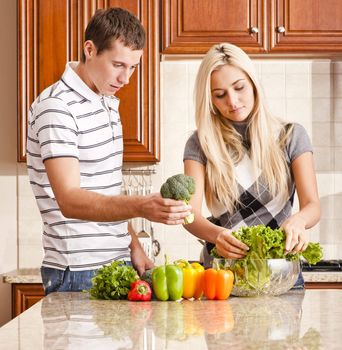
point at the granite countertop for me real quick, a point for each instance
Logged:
(297, 320)
(315, 276)
(23, 276)
(33, 276)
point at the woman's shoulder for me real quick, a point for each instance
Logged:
(297, 128)
(193, 149)
(299, 141)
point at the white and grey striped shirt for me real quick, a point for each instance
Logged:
(68, 119)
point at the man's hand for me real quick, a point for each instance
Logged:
(164, 210)
(140, 261)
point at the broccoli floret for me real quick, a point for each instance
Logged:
(180, 187)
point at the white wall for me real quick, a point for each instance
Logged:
(8, 151)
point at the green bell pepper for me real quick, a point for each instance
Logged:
(167, 281)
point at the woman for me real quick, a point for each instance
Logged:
(246, 162)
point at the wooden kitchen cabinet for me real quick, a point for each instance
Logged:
(257, 26)
(193, 26)
(24, 295)
(306, 25)
(323, 285)
(50, 33)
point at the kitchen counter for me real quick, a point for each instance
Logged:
(23, 276)
(327, 276)
(33, 276)
(300, 319)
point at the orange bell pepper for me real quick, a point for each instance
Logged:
(218, 284)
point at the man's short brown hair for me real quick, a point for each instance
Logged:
(112, 24)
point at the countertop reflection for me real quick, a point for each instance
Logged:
(297, 320)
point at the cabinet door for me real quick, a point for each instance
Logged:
(193, 26)
(306, 25)
(24, 296)
(51, 33)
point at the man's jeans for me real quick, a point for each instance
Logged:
(55, 280)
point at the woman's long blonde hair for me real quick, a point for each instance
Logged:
(222, 144)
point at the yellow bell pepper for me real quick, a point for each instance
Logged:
(193, 275)
(199, 279)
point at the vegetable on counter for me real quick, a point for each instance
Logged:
(266, 243)
(253, 272)
(113, 281)
(217, 284)
(147, 276)
(180, 187)
(140, 291)
(192, 279)
(167, 281)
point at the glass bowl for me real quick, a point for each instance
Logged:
(255, 277)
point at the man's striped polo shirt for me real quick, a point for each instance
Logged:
(68, 119)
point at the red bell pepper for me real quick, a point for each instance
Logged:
(140, 291)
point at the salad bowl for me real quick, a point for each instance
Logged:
(254, 277)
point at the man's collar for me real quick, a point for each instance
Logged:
(73, 80)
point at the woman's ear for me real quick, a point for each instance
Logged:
(89, 49)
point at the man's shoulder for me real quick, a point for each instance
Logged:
(50, 98)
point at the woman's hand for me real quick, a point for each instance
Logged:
(296, 238)
(230, 247)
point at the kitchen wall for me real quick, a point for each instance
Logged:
(8, 150)
(306, 91)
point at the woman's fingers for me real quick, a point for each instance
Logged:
(230, 247)
(295, 242)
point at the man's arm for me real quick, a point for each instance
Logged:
(78, 203)
(139, 259)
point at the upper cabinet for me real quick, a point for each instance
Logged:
(193, 26)
(257, 26)
(306, 25)
(50, 33)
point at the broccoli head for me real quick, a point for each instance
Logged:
(179, 187)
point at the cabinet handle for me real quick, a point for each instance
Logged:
(254, 30)
(280, 29)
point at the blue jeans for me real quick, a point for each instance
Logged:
(300, 282)
(55, 280)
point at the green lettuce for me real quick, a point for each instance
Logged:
(113, 282)
(252, 272)
(267, 243)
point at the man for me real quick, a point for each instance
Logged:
(74, 157)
